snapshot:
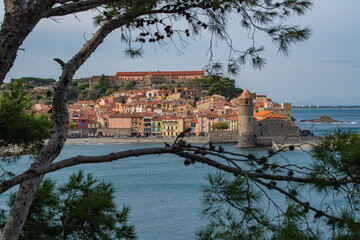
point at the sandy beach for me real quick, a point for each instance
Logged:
(306, 143)
(104, 140)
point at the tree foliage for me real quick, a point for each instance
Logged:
(222, 86)
(35, 81)
(104, 81)
(244, 207)
(17, 119)
(83, 86)
(130, 86)
(83, 208)
(220, 126)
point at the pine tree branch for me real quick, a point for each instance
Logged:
(33, 172)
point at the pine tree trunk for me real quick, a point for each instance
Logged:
(59, 121)
(20, 19)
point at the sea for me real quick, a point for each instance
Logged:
(164, 196)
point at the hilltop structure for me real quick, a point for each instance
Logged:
(151, 79)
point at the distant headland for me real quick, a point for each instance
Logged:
(324, 106)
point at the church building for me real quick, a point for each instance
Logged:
(263, 127)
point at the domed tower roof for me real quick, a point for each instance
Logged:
(246, 94)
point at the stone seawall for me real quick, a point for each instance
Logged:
(222, 136)
(85, 132)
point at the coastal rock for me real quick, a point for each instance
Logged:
(305, 133)
(322, 119)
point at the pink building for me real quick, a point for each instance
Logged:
(204, 123)
(119, 120)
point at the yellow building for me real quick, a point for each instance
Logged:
(234, 124)
(232, 121)
(174, 96)
(172, 126)
(120, 107)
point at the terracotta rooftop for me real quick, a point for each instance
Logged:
(263, 113)
(160, 73)
(271, 116)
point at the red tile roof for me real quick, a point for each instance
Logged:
(160, 73)
(271, 116)
(263, 113)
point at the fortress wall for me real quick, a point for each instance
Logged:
(275, 128)
(105, 131)
(222, 136)
(115, 131)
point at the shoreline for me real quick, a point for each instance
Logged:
(306, 143)
(104, 140)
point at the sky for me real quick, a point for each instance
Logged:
(324, 70)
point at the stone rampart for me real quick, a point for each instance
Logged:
(223, 136)
(86, 132)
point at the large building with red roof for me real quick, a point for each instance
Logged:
(153, 79)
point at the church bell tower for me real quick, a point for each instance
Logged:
(246, 121)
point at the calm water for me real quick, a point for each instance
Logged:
(350, 119)
(163, 194)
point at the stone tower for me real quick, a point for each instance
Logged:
(246, 121)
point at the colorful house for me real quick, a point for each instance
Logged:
(156, 126)
(172, 126)
(137, 124)
(119, 120)
(191, 123)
